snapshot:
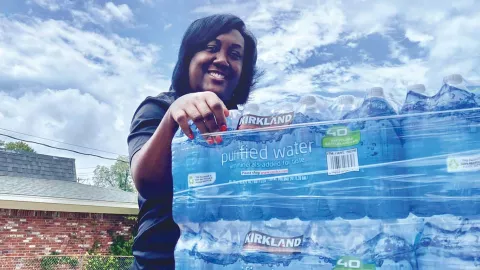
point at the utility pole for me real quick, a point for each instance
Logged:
(126, 179)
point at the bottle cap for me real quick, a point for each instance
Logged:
(375, 92)
(283, 107)
(308, 100)
(346, 99)
(419, 88)
(453, 79)
(251, 108)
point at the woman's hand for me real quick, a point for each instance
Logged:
(205, 109)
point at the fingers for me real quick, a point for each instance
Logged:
(197, 119)
(207, 112)
(181, 118)
(219, 111)
(208, 116)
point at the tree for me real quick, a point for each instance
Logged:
(117, 175)
(17, 147)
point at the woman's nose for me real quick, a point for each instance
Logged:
(221, 60)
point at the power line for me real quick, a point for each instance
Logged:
(43, 138)
(64, 149)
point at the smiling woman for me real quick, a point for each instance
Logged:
(217, 68)
(215, 71)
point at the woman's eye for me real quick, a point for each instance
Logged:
(236, 55)
(211, 48)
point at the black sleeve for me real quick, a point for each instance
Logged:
(145, 121)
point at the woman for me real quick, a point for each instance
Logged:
(215, 72)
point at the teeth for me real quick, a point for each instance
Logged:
(216, 75)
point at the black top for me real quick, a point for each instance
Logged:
(158, 234)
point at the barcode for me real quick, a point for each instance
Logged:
(339, 162)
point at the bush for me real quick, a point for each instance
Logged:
(98, 262)
(52, 262)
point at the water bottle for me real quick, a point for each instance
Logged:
(339, 158)
(377, 193)
(363, 244)
(259, 200)
(440, 134)
(342, 105)
(201, 175)
(382, 147)
(191, 155)
(416, 144)
(275, 197)
(449, 242)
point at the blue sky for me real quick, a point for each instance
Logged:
(74, 71)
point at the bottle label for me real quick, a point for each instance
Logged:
(250, 121)
(340, 136)
(463, 163)
(340, 162)
(256, 241)
(201, 179)
(352, 263)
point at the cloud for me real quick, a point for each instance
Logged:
(416, 36)
(238, 8)
(424, 43)
(147, 2)
(312, 29)
(77, 86)
(167, 26)
(52, 5)
(103, 15)
(111, 12)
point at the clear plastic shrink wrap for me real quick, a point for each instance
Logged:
(316, 184)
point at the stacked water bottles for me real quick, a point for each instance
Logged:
(336, 184)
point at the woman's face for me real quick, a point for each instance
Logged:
(218, 66)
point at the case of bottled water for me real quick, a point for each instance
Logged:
(335, 183)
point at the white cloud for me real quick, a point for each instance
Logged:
(444, 32)
(167, 26)
(111, 12)
(97, 82)
(352, 45)
(312, 28)
(415, 36)
(103, 15)
(52, 5)
(239, 9)
(147, 2)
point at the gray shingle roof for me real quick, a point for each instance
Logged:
(11, 185)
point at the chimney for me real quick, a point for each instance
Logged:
(31, 165)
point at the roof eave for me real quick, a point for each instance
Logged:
(25, 202)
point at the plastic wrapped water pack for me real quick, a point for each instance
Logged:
(335, 184)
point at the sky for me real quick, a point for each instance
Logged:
(73, 72)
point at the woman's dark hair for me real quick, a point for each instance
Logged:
(198, 35)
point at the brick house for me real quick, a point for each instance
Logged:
(44, 210)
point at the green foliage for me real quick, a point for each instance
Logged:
(52, 263)
(95, 247)
(120, 246)
(17, 147)
(117, 175)
(98, 262)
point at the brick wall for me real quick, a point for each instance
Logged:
(31, 233)
(32, 165)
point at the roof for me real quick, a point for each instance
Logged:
(57, 195)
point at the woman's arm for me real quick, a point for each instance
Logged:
(153, 161)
